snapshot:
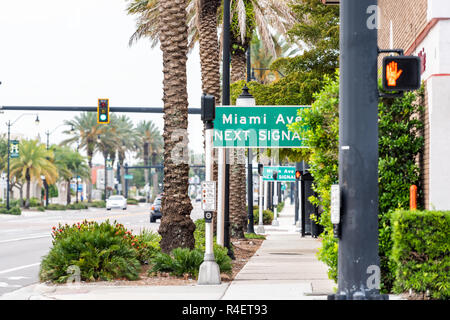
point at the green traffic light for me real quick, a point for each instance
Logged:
(103, 117)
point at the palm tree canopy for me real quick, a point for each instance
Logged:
(34, 160)
(246, 15)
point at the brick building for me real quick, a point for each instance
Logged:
(422, 28)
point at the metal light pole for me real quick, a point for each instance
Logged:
(260, 228)
(247, 100)
(358, 260)
(275, 200)
(9, 124)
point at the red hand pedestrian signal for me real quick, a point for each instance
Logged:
(392, 74)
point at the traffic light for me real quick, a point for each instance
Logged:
(260, 169)
(401, 73)
(275, 175)
(298, 170)
(103, 111)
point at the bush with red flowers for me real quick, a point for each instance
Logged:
(99, 251)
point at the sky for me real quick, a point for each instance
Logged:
(71, 53)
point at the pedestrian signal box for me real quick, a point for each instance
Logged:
(103, 111)
(298, 174)
(401, 73)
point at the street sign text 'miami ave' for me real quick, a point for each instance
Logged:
(257, 127)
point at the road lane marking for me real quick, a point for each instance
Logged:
(41, 235)
(20, 268)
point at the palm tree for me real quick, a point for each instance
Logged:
(177, 228)
(148, 142)
(127, 138)
(60, 160)
(70, 165)
(86, 134)
(33, 161)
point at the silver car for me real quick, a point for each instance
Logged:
(116, 202)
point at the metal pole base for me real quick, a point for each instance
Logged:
(359, 295)
(260, 229)
(275, 223)
(209, 273)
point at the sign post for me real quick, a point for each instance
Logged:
(209, 273)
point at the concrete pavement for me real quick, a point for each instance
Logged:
(284, 268)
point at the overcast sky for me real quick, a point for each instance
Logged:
(70, 53)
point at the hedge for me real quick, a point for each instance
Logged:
(421, 252)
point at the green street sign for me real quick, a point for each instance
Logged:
(283, 187)
(284, 174)
(128, 176)
(257, 127)
(14, 149)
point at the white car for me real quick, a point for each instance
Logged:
(116, 202)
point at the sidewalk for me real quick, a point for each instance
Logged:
(284, 268)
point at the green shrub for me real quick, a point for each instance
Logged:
(101, 251)
(35, 202)
(77, 206)
(254, 236)
(132, 201)
(148, 245)
(38, 208)
(179, 262)
(267, 216)
(421, 252)
(12, 210)
(56, 206)
(280, 207)
(163, 261)
(97, 204)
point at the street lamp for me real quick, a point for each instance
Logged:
(72, 131)
(9, 124)
(247, 100)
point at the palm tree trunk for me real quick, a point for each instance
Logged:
(210, 59)
(28, 178)
(238, 215)
(238, 65)
(177, 228)
(69, 199)
(89, 185)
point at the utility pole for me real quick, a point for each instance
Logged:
(226, 102)
(358, 260)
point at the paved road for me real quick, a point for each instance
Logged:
(25, 239)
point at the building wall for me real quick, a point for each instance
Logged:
(422, 28)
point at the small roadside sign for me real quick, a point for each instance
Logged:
(284, 174)
(209, 196)
(128, 176)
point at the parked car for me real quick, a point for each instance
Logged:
(116, 202)
(155, 210)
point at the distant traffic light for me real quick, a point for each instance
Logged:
(260, 169)
(275, 175)
(103, 111)
(401, 73)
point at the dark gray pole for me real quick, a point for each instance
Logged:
(296, 200)
(358, 261)
(226, 102)
(7, 178)
(126, 181)
(250, 224)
